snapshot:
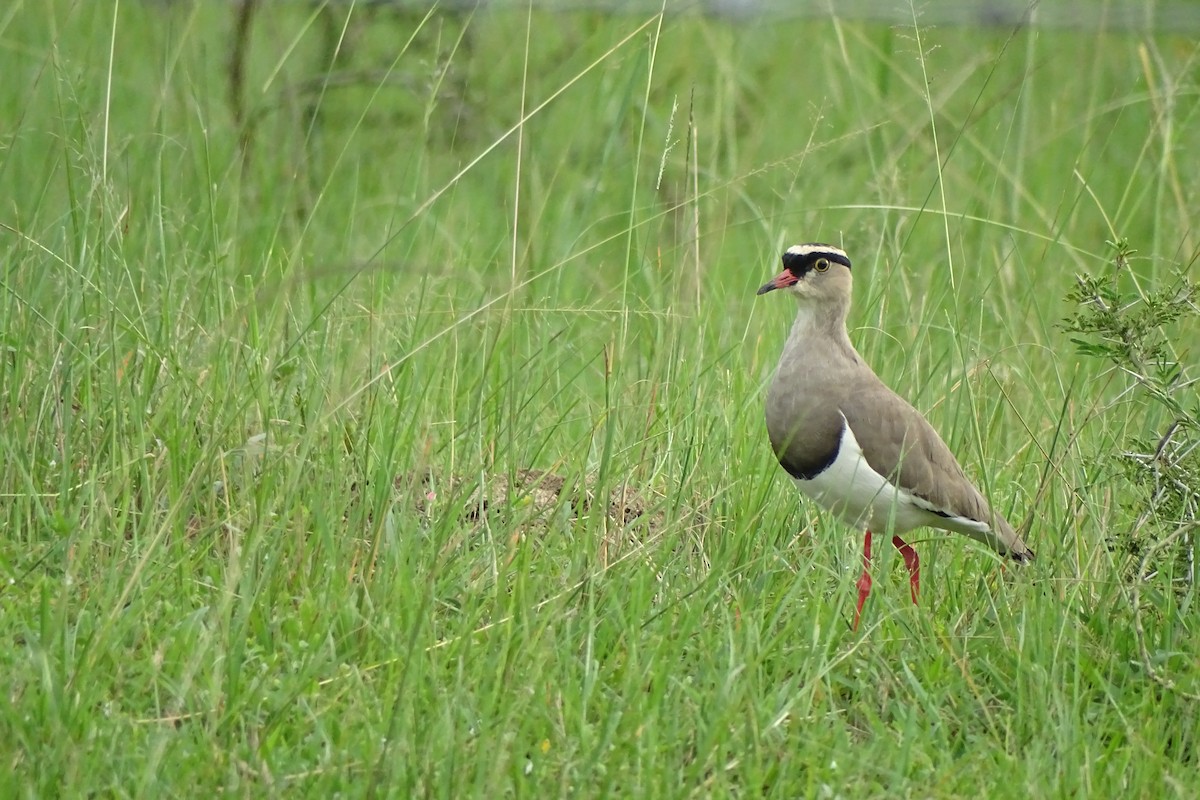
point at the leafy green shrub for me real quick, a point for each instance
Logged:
(1136, 332)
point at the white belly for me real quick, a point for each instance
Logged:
(860, 496)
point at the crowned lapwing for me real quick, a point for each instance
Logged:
(852, 444)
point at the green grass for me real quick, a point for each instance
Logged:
(249, 407)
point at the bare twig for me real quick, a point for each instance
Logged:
(237, 70)
(1140, 630)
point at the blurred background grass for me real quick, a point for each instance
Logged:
(384, 412)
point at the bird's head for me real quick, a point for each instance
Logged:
(813, 272)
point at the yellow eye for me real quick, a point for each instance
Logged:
(822, 265)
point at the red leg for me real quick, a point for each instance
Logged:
(864, 583)
(912, 562)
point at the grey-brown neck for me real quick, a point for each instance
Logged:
(821, 327)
